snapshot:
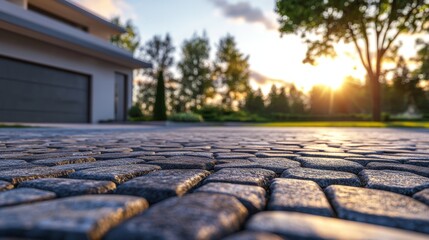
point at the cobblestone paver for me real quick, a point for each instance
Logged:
(214, 183)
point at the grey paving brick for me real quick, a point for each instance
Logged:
(329, 154)
(323, 177)
(14, 164)
(19, 175)
(278, 165)
(252, 197)
(24, 195)
(232, 155)
(194, 216)
(159, 185)
(298, 196)
(64, 187)
(63, 160)
(82, 217)
(336, 164)
(97, 164)
(364, 161)
(419, 170)
(422, 196)
(184, 163)
(116, 174)
(5, 185)
(394, 181)
(276, 155)
(253, 176)
(107, 156)
(249, 235)
(379, 207)
(304, 226)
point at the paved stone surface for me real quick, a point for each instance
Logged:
(64, 187)
(24, 174)
(252, 197)
(323, 177)
(196, 216)
(395, 181)
(82, 217)
(422, 196)
(24, 195)
(212, 182)
(335, 164)
(419, 170)
(379, 207)
(116, 174)
(159, 185)
(303, 226)
(252, 176)
(298, 196)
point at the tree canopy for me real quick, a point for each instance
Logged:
(129, 40)
(372, 26)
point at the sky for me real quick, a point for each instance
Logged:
(253, 23)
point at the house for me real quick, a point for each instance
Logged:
(58, 65)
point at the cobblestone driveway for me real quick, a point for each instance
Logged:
(214, 183)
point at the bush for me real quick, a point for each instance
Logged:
(186, 117)
(135, 112)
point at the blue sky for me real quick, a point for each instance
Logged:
(252, 22)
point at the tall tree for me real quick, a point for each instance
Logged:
(278, 101)
(372, 26)
(231, 71)
(254, 101)
(297, 105)
(195, 84)
(159, 52)
(129, 40)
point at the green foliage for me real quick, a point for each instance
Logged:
(186, 117)
(297, 105)
(135, 111)
(129, 40)
(254, 102)
(231, 71)
(195, 84)
(146, 92)
(278, 100)
(371, 25)
(159, 52)
(422, 60)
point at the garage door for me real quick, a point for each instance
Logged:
(34, 93)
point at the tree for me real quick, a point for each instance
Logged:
(146, 92)
(231, 71)
(423, 60)
(129, 40)
(371, 25)
(159, 52)
(195, 84)
(278, 101)
(254, 102)
(297, 105)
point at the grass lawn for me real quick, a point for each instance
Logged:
(12, 126)
(405, 124)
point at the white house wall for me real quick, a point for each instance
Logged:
(102, 73)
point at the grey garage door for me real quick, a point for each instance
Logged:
(35, 93)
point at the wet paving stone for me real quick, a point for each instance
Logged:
(63, 161)
(335, 164)
(116, 174)
(162, 184)
(323, 177)
(97, 164)
(379, 207)
(304, 226)
(19, 175)
(65, 187)
(252, 176)
(395, 181)
(82, 217)
(207, 216)
(422, 196)
(422, 171)
(5, 185)
(298, 196)
(24, 195)
(252, 197)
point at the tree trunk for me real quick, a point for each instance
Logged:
(376, 100)
(160, 108)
